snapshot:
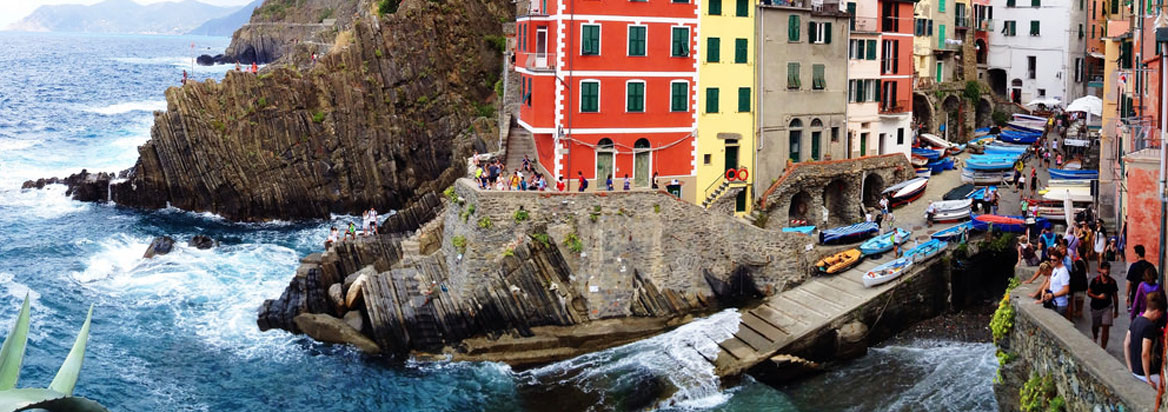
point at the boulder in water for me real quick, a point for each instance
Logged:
(326, 328)
(201, 242)
(159, 246)
(205, 60)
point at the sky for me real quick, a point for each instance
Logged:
(12, 11)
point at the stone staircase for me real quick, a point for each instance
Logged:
(722, 188)
(421, 243)
(520, 143)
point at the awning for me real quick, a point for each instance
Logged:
(1089, 104)
(1076, 142)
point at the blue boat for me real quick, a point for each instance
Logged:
(1018, 138)
(883, 243)
(926, 250)
(941, 165)
(1004, 150)
(927, 153)
(1025, 126)
(1074, 174)
(989, 163)
(806, 230)
(1012, 224)
(848, 234)
(952, 232)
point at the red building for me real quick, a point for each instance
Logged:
(896, 38)
(608, 87)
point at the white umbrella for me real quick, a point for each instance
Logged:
(1048, 102)
(1089, 104)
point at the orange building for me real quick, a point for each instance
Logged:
(608, 88)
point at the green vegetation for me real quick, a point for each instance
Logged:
(59, 394)
(499, 87)
(485, 222)
(542, 238)
(387, 7)
(485, 110)
(263, 76)
(1039, 394)
(509, 252)
(572, 241)
(497, 42)
(377, 53)
(263, 101)
(1003, 359)
(1003, 320)
(521, 215)
(422, 100)
(324, 14)
(998, 244)
(459, 242)
(972, 91)
(656, 208)
(449, 192)
(218, 125)
(466, 213)
(1001, 118)
(318, 117)
(761, 219)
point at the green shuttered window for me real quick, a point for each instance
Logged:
(793, 76)
(590, 40)
(743, 99)
(589, 97)
(679, 97)
(711, 100)
(637, 40)
(740, 46)
(635, 97)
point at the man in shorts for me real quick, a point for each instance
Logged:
(1104, 294)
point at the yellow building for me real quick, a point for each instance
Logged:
(726, 102)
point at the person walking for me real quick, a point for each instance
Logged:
(1140, 343)
(1147, 288)
(1135, 274)
(583, 182)
(1104, 294)
(1033, 181)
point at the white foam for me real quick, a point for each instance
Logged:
(126, 107)
(47, 203)
(12, 145)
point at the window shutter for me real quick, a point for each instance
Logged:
(1010, 3)
(715, 7)
(712, 100)
(793, 75)
(743, 8)
(793, 27)
(817, 78)
(713, 49)
(743, 99)
(827, 33)
(811, 32)
(740, 46)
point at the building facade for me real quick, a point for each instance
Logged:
(726, 96)
(802, 87)
(935, 43)
(1038, 52)
(865, 58)
(609, 89)
(896, 78)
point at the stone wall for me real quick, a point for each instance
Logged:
(837, 185)
(1088, 378)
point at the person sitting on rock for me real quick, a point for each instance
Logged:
(351, 232)
(332, 238)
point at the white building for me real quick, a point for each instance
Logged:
(1036, 50)
(877, 123)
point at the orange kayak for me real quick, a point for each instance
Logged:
(1000, 219)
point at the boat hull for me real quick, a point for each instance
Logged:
(848, 234)
(839, 262)
(953, 232)
(887, 272)
(883, 243)
(926, 251)
(1074, 174)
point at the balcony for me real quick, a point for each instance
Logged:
(540, 61)
(961, 22)
(895, 106)
(985, 25)
(865, 24)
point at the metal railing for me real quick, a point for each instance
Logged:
(961, 22)
(540, 61)
(895, 106)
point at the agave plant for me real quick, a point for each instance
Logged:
(59, 395)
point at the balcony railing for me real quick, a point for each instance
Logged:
(540, 61)
(866, 24)
(961, 22)
(895, 106)
(985, 25)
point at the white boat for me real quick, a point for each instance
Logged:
(1023, 116)
(887, 272)
(951, 215)
(1057, 212)
(1074, 193)
(935, 141)
(951, 205)
(1068, 182)
(985, 178)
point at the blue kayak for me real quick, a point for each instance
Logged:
(1004, 150)
(1018, 138)
(989, 163)
(926, 250)
(883, 243)
(952, 232)
(1074, 174)
(848, 234)
(806, 230)
(926, 153)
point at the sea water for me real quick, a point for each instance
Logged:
(178, 332)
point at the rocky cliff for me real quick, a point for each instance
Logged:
(532, 277)
(378, 121)
(279, 28)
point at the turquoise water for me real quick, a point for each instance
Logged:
(178, 332)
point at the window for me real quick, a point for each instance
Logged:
(527, 97)
(637, 40)
(940, 72)
(1031, 66)
(819, 32)
(817, 79)
(743, 9)
(856, 49)
(871, 49)
(941, 37)
(706, 158)
(1010, 28)
(941, 6)
(743, 99)
(715, 7)
(1114, 6)
(711, 100)
(1081, 31)
(795, 133)
(680, 42)
(1034, 27)
(900, 135)
(1010, 3)
(1079, 70)
(679, 97)
(852, 12)
(835, 134)
(590, 40)
(793, 76)
(1035, 3)
(713, 49)
(793, 28)
(589, 96)
(740, 46)
(1041, 92)
(635, 97)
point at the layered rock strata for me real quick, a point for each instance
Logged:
(278, 27)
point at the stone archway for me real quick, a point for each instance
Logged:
(951, 115)
(800, 208)
(922, 111)
(873, 185)
(985, 113)
(997, 80)
(836, 200)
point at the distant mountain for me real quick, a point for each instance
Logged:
(226, 25)
(122, 16)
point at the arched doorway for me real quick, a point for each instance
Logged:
(835, 199)
(605, 159)
(1016, 91)
(800, 207)
(795, 131)
(641, 162)
(985, 111)
(816, 138)
(922, 111)
(997, 79)
(951, 107)
(873, 185)
(982, 51)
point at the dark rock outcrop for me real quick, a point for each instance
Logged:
(207, 60)
(161, 245)
(201, 242)
(284, 27)
(379, 121)
(83, 186)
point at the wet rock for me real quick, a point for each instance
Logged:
(335, 296)
(206, 59)
(851, 340)
(326, 328)
(161, 245)
(354, 319)
(201, 242)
